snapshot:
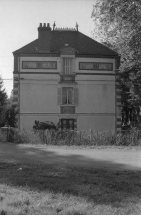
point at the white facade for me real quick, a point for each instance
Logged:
(80, 92)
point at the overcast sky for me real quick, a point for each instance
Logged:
(19, 20)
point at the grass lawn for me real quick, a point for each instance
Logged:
(63, 189)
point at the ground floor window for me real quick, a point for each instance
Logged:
(67, 124)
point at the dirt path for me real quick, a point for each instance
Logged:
(97, 158)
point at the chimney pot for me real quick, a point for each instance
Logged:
(48, 25)
(44, 24)
(40, 25)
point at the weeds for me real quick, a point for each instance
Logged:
(131, 137)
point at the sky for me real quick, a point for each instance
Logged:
(19, 20)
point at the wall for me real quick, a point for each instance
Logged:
(96, 107)
(38, 95)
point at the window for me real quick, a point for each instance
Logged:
(67, 124)
(67, 66)
(67, 95)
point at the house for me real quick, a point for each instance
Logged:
(67, 78)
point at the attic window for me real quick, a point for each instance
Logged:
(67, 66)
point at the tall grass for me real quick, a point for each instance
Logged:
(131, 137)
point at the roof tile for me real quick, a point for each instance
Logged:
(83, 44)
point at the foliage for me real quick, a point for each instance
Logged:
(10, 115)
(3, 101)
(118, 24)
(26, 136)
(131, 137)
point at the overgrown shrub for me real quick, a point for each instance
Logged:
(26, 136)
(131, 137)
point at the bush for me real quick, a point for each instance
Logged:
(131, 137)
(26, 137)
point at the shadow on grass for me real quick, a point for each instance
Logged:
(99, 181)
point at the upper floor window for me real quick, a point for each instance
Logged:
(67, 96)
(67, 93)
(67, 66)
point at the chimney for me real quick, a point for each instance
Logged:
(44, 37)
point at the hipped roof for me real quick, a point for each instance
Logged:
(83, 44)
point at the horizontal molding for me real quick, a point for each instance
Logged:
(58, 73)
(97, 56)
(78, 114)
(40, 54)
(100, 73)
(50, 73)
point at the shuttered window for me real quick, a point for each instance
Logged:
(59, 101)
(67, 95)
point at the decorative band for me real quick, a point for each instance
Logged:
(37, 73)
(108, 74)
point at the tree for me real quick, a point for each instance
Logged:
(3, 101)
(117, 23)
(10, 112)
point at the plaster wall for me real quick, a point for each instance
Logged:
(96, 97)
(96, 123)
(39, 92)
(38, 97)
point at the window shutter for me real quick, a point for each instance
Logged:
(75, 96)
(59, 99)
(61, 66)
(73, 66)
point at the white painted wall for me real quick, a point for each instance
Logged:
(38, 95)
(96, 123)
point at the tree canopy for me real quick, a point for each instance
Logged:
(3, 101)
(118, 22)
